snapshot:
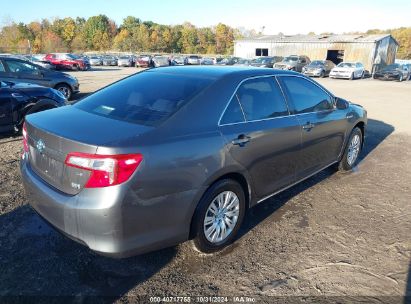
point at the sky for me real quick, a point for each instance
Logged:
(285, 16)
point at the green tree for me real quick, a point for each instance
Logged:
(93, 30)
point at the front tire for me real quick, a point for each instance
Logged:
(352, 76)
(401, 78)
(219, 216)
(352, 150)
(65, 89)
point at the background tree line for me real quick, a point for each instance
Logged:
(99, 33)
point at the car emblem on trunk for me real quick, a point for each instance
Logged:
(40, 145)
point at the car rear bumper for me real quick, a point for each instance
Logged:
(112, 223)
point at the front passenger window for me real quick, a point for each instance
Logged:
(305, 96)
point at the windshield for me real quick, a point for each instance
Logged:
(124, 57)
(392, 67)
(289, 59)
(71, 56)
(346, 65)
(243, 61)
(147, 98)
(317, 63)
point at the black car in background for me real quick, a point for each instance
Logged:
(17, 70)
(319, 68)
(265, 62)
(394, 71)
(20, 99)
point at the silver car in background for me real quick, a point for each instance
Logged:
(126, 61)
(348, 70)
(194, 60)
(318, 68)
(95, 60)
(160, 61)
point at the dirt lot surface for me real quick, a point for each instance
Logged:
(336, 235)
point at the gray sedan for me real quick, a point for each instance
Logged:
(180, 153)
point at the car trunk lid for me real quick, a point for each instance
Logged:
(51, 135)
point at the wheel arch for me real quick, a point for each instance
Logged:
(236, 176)
(64, 83)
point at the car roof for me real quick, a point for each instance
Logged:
(219, 71)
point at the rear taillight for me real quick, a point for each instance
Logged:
(25, 142)
(106, 170)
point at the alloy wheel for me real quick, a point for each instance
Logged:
(221, 217)
(353, 149)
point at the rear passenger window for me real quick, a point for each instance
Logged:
(2, 67)
(305, 95)
(233, 113)
(261, 98)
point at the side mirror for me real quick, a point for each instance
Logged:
(341, 104)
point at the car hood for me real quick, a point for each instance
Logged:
(290, 63)
(88, 128)
(22, 85)
(37, 91)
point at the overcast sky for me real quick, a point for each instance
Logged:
(286, 16)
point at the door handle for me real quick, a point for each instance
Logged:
(308, 126)
(241, 140)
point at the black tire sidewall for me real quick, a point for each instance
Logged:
(343, 165)
(200, 240)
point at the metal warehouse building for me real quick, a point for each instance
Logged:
(367, 49)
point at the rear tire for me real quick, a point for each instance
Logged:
(322, 75)
(219, 216)
(351, 151)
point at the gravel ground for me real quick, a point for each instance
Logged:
(341, 235)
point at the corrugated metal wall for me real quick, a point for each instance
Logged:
(363, 52)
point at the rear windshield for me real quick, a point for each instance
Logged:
(147, 98)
